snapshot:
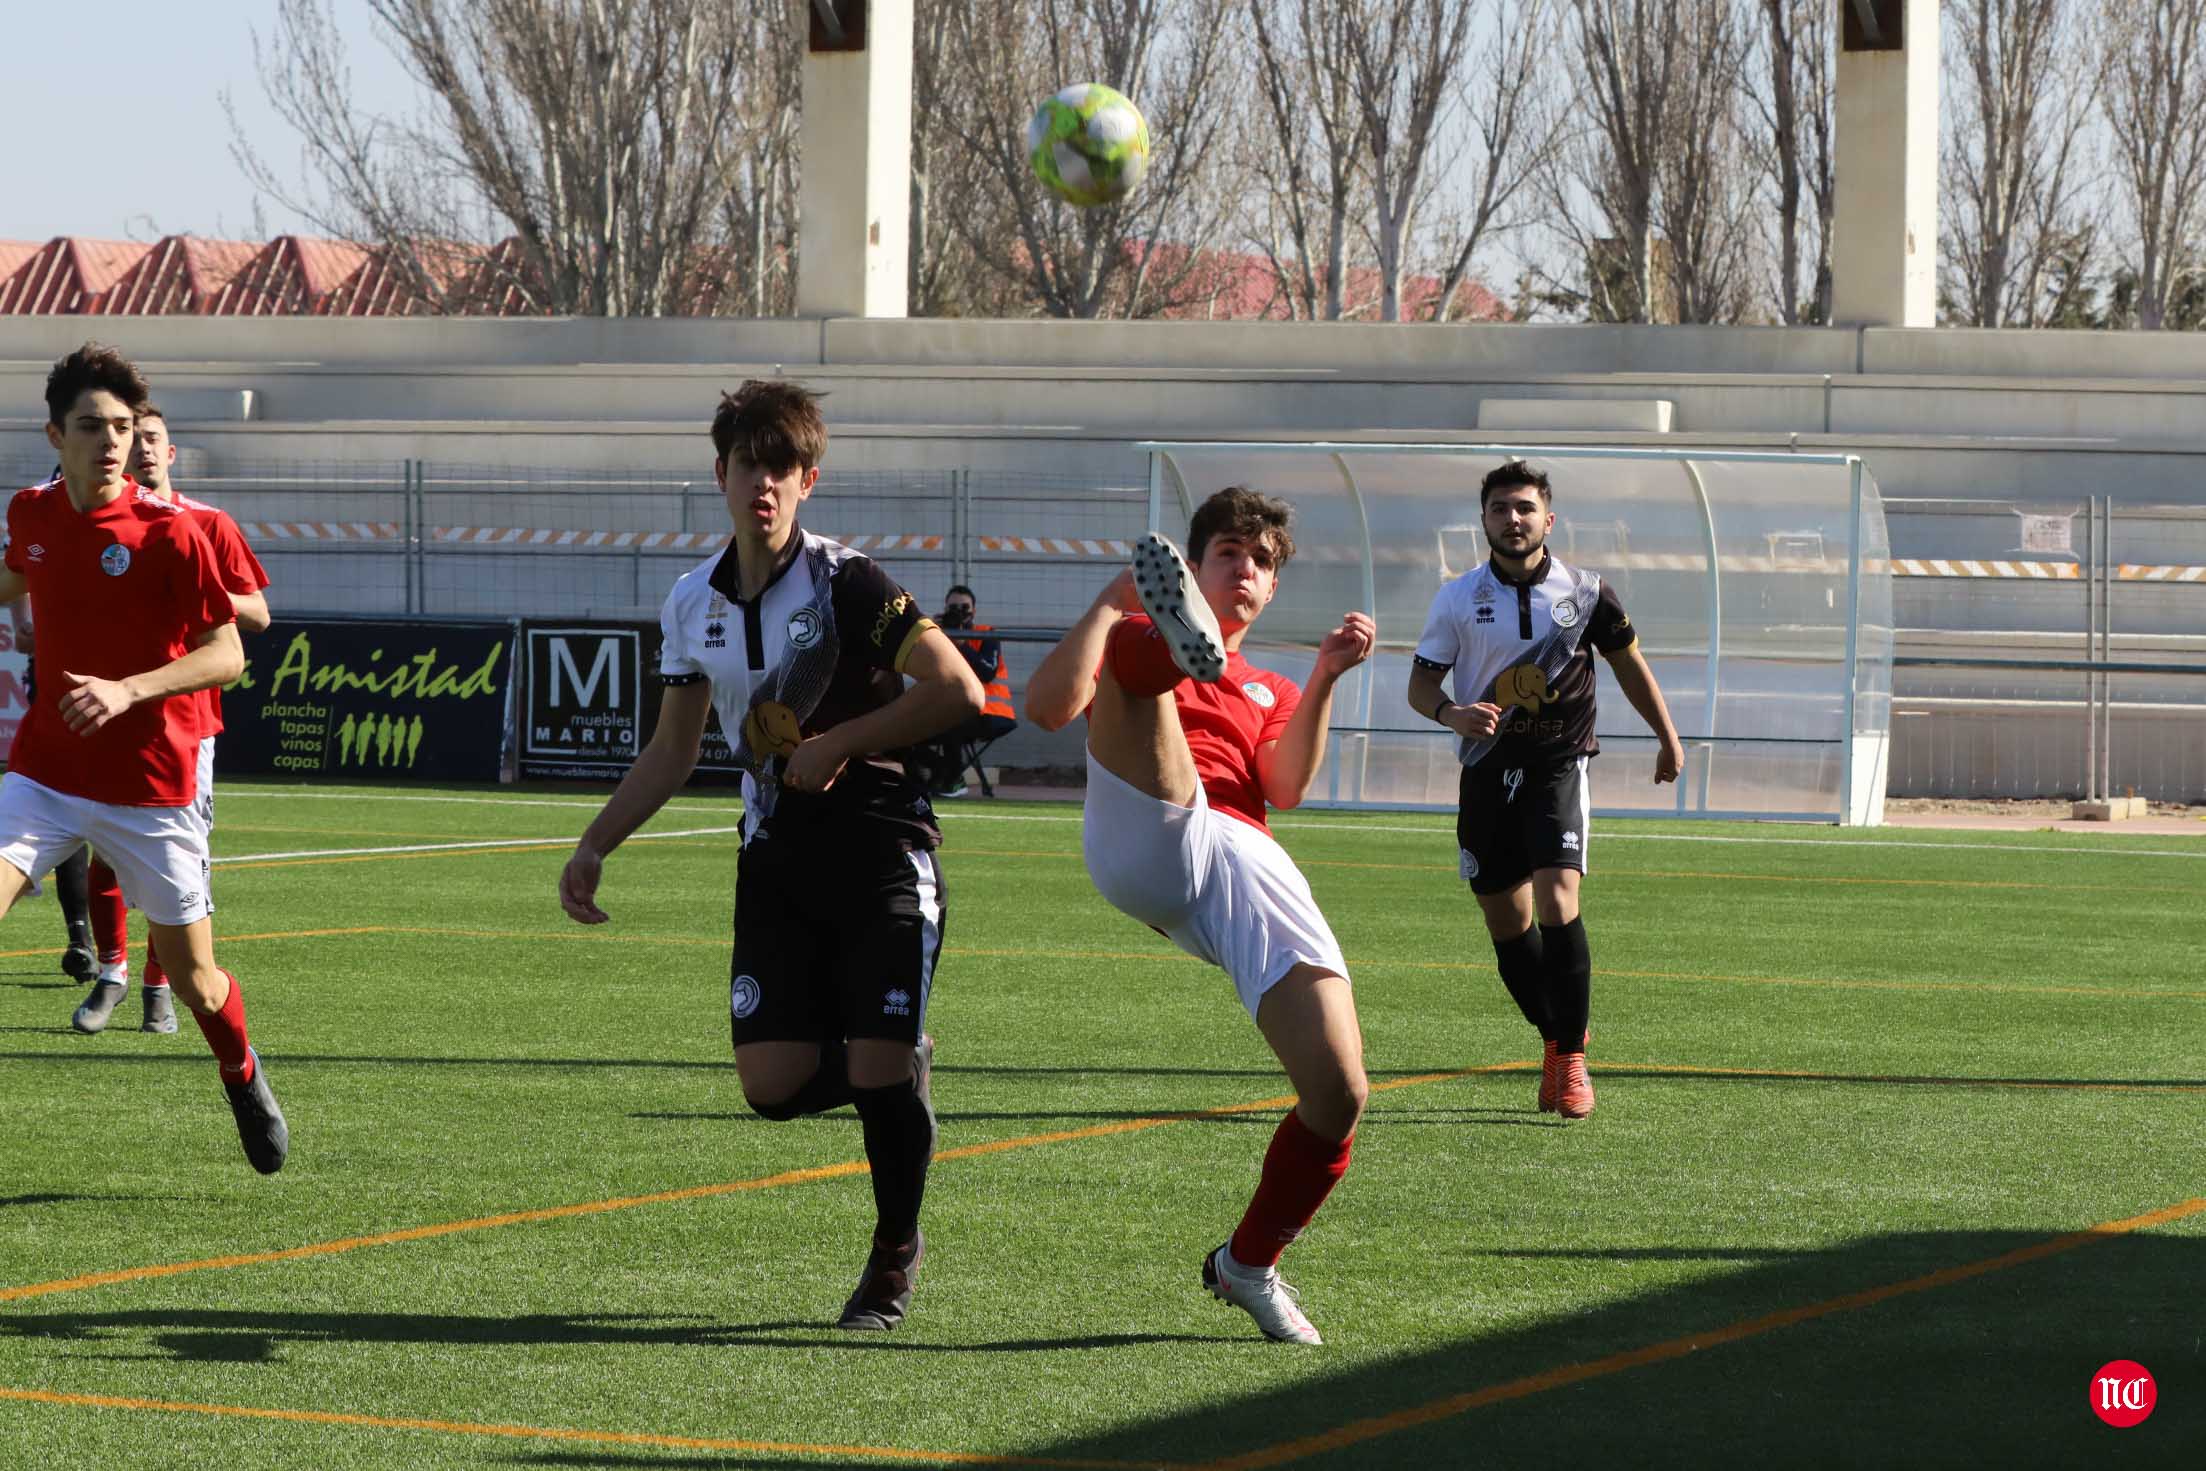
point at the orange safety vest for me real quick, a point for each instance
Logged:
(998, 701)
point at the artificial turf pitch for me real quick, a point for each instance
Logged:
(1864, 1098)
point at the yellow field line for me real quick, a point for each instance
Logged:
(669, 1197)
(1920, 1080)
(368, 929)
(582, 1437)
(1360, 1431)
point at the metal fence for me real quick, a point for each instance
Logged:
(2040, 652)
(2049, 650)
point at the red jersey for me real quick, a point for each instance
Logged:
(240, 571)
(120, 590)
(1225, 724)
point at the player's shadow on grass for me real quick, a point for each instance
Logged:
(244, 1337)
(1722, 1367)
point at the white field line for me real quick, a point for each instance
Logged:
(697, 832)
(1442, 824)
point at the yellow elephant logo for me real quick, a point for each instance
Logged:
(1524, 688)
(771, 730)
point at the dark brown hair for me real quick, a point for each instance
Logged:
(151, 410)
(92, 366)
(770, 423)
(1512, 474)
(1240, 512)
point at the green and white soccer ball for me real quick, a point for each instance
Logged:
(1088, 144)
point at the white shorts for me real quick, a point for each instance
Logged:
(158, 853)
(202, 807)
(1219, 888)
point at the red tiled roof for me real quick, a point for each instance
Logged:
(180, 276)
(68, 274)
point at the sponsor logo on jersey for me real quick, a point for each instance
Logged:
(1565, 614)
(881, 624)
(716, 635)
(115, 561)
(804, 628)
(1260, 693)
(1523, 687)
(771, 730)
(1485, 613)
(742, 996)
(897, 1003)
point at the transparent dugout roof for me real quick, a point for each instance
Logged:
(1759, 584)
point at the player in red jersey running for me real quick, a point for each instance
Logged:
(1187, 743)
(246, 581)
(133, 620)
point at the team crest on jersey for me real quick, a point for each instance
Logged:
(804, 628)
(1565, 614)
(742, 996)
(1260, 694)
(115, 561)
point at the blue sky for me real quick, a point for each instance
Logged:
(168, 170)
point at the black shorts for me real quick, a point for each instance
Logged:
(833, 945)
(1515, 819)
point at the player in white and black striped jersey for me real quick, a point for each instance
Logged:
(1518, 634)
(802, 646)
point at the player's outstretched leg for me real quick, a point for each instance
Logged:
(899, 1125)
(217, 1003)
(1309, 1018)
(1176, 607)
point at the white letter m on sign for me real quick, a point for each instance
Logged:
(605, 666)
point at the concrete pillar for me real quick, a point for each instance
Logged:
(854, 204)
(1884, 234)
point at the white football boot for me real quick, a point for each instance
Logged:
(1166, 586)
(1264, 1295)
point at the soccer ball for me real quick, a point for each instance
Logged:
(1088, 144)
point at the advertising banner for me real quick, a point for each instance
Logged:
(589, 702)
(346, 699)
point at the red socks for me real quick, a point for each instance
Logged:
(110, 916)
(1300, 1170)
(1139, 659)
(225, 1033)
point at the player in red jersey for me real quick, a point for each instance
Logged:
(1187, 743)
(133, 620)
(246, 581)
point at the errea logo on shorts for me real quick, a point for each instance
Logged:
(1260, 694)
(897, 1003)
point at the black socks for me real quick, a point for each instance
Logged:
(71, 881)
(1569, 967)
(1525, 974)
(900, 1139)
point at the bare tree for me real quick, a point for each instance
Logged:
(1310, 158)
(1631, 59)
(1703, 185)
(607, 136)
(1794, 101)
(1406, 55)
(2020, 91)
(1147, 253)
(2154, 98)
(953, 198)
(1515, 129)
